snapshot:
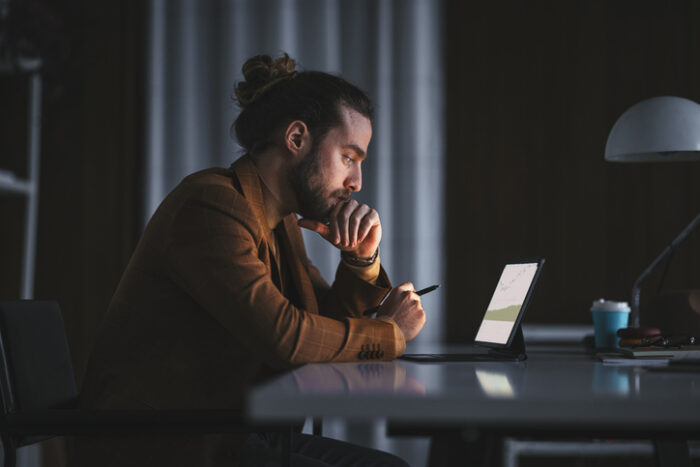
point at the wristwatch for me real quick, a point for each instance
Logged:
(360, 261)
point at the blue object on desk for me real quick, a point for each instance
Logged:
(608, 317)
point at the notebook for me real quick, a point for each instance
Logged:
(499, 337)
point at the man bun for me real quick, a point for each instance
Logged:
(273, 94)
(261, 73)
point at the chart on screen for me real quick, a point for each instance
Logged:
(506, 302)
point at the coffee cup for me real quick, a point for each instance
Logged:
(608, 317)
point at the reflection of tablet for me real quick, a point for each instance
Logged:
(500, 326)
(495, 384)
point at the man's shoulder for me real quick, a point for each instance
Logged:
(215, 176)
(213, 189)
(212, 184)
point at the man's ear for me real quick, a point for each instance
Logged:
(297, 137)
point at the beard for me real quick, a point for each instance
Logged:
(307, 182)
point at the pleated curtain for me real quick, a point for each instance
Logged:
(391, 49)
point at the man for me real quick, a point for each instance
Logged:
(219, 293)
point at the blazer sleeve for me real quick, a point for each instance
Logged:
(212, 253)
(350, 295)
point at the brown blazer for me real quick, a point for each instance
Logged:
(199, 316)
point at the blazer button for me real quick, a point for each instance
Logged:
(363, 352)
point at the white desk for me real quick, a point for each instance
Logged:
(562, 393)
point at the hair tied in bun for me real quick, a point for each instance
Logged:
(261, 73)
(272, 94)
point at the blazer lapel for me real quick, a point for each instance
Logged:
(290, 235)
(293, 243)
(248, 176)
(252, 191)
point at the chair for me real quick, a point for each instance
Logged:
(39, 396)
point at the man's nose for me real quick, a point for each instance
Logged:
(354, 181)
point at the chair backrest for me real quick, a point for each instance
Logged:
(35, 366)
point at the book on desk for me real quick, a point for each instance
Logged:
(675, 353)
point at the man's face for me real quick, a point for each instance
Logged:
(331, 170)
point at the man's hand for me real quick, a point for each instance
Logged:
(352, 227)
(404, 307)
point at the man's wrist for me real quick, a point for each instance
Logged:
(366, 273)
(359, 261)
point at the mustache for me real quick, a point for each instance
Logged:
(342, 194)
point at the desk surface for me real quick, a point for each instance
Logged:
(554, 387)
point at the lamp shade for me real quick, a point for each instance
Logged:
(660, 129)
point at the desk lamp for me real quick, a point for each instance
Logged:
(660, 129)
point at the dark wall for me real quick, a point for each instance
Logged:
(90, 154)
(91, 151)
(533, 90)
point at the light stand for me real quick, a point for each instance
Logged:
(670, 249)
(659, 129)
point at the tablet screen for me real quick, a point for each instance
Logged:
(506, 303)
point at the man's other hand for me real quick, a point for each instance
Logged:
(352, 227)
(404, 307)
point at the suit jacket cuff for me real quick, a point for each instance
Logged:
(399, 338)
(367, 273)
(364, 294)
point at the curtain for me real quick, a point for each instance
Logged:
(390, 49)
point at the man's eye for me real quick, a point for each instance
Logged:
(348, 160)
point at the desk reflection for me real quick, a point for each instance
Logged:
(611, 380)
(552, 377)
(553, 388)
(495, 383)
(356, 378)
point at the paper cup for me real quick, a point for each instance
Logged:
(608, 317)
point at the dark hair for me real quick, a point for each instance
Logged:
(275, 94)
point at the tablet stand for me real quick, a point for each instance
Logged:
(516, 349)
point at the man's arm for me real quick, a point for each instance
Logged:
(354, 290)
(213, 254)
(356, 230)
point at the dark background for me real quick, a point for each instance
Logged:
(533, 88)
(91, 154)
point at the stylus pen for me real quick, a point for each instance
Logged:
(424, 291)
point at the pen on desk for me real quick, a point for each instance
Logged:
(424, 291)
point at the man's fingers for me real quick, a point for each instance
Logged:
(343, 221)
(355, 222)
(350, 223)
(368, 221)
(316, 226)
(334, 235)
